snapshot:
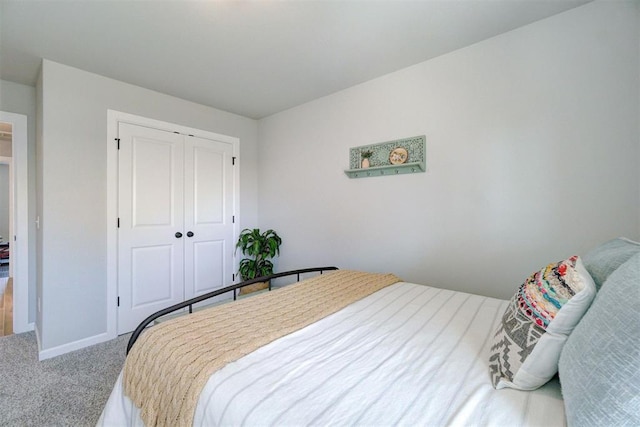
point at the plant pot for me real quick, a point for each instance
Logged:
(253, 288)
(365, 163)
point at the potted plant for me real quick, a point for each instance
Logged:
(365, 158)
(259, 247)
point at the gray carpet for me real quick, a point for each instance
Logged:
(68, 390)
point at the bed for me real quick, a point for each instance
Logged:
(410, 354)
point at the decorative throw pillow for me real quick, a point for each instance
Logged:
(599, 365)
(536, 324)
(605, 258)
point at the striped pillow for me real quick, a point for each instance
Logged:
(536, 324)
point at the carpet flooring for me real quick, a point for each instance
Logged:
(68, 390)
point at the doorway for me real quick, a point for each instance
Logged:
(15, 241)
(6, 230)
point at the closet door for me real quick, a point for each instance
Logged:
(151, 221)
(208, 215)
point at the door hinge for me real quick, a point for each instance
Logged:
(233, 219)
(233, 277)
(118, 301)
(118, 222)
(118, 141)
(233, 161)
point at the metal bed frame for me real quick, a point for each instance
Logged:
(232, 288)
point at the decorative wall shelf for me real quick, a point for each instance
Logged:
(395, 157)
(386, 170)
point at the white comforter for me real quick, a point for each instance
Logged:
(406, 355)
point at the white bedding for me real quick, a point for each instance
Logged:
(406, 355)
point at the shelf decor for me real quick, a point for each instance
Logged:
(395, 157)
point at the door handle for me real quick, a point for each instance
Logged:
(178, 234)
(189, 233)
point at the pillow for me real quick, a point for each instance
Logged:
(539, 318)
(602, 260)
(599, 366)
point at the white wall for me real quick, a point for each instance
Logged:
(21, 99)
(73, 188)
(532, 155)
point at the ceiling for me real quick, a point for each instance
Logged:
(253, 58)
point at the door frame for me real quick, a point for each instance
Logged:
(113, 119)
(20, 226)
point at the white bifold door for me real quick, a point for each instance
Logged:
(175, 235)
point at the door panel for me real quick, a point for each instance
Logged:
(208, 215)
(151, 206)
(151, 273)
(209, 184)
(208, 256)
(153, 192)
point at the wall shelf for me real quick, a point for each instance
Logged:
(413, 167)
(412, 158)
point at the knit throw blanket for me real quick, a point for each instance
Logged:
(170, 363)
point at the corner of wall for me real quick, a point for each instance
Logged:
(637, 5)
(38, 210)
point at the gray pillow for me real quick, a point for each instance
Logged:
(600, 363)
(602, 260)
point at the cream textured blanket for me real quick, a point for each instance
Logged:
(170, 363)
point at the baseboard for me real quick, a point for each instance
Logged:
(29, 327)
(72, 346)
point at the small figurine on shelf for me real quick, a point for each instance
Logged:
(365, 158)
